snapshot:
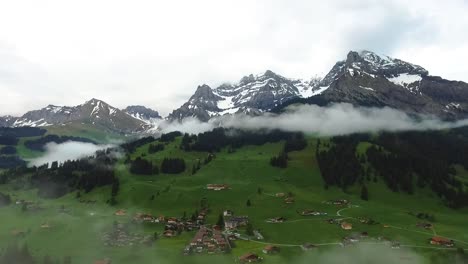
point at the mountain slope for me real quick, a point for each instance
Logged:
(93, 112)
(7, 121)
(143, 113)
(251, 95)
(368, 79)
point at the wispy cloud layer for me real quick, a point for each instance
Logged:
(338, 119)
(66, 151)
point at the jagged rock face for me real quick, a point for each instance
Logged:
(368, 79)
(252, 95)
(142, 113)
(7, 121)
(94, 112)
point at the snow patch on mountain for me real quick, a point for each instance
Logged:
(408, 81)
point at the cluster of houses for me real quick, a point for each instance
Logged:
(174, 226)
(147, 218)
(233, 222)
(120, 236)
(209, 240)
(217, 187)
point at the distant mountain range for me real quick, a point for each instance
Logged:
(93, 112)
(368, 79)
(252, 95)
(363, 78)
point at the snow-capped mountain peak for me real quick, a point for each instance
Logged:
(253, 94)
(93, 112)
(144, 114)
(373, 63)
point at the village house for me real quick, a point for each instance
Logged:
(258, 235)
(346, 226)
(169, 233)
(442, 241)
(161, 219)
(45, 225)
(289, 200)
(217, 187)
(250, 258)
(271, 249)
(280, 195)
(120, 212)
(146, 218)
(228, 213)
(172, 220)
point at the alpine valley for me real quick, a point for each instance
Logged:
(93, 183)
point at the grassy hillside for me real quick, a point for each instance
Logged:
(78, 231)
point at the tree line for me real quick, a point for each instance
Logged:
(295, 143)
(55, 180)
(405, 161)
(219, 138)
(39, 144)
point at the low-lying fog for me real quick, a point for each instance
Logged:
(337, 119)
(70, 150)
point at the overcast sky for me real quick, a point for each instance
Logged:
(155, 53)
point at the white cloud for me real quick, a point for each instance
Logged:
(156, 52)
(337, 119)
(70, 150)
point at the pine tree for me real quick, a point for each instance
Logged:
(249, 229)
(364, 193)
(248, 203)
(220, 221)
